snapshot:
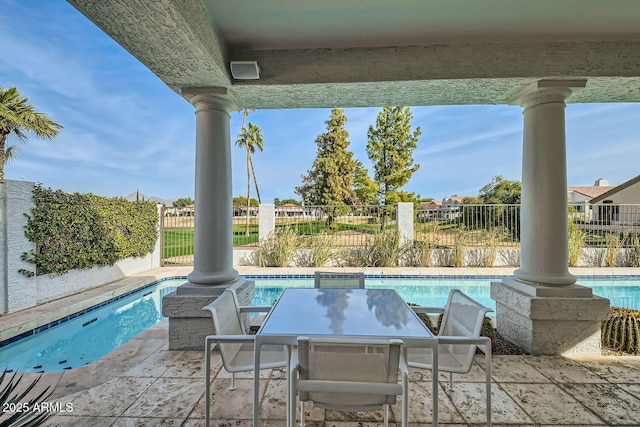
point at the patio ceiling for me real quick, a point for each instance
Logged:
(348, 53)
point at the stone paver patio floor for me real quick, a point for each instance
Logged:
(142, 383)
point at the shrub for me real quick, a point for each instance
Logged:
(319, 249)
(489, 250)
(417, 253)
(577, 237)
(621, 330)
(613, 248)
(458, 253)
(75, 231)
(278, 249)
(384, 249)
(633, 258)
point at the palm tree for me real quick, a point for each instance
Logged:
(19, 118)
(251, 138)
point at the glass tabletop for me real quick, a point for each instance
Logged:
(348, 312)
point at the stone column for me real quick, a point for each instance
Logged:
(542, 309)
(213, 270)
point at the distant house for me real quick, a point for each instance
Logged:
(428, 211)
(618, 205)
(580, 197)
(290, 210)
(242, 211)
(188, 210)
(446, 210)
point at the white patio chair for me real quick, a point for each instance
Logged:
(324, 279)
(236, 347)
(348, 374)
(458, 339)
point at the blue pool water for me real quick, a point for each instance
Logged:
(91, 335)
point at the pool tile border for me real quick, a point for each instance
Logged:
(76, 314)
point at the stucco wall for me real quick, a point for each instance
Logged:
(628, 195)
(17, 291)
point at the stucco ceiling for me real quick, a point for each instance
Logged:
(344, 53)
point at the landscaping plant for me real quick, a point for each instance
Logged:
(613, 248)
(621, 330)
(278, 250)
(17, 409)
(316, 250)
(577, 237)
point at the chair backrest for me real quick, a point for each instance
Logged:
(227, 320)
(368, 361)
(339, 280)
(462, 317)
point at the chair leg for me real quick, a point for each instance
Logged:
(302, 421)
(386, 415)
(450, 386)
(207, 385)
(233, 381)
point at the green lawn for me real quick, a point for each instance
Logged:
(179, 241)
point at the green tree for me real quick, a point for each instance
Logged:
(365, 189)
(277, 202)
(242, 201)
(390, 148)
(183, 202)
(19, 118)
(501, 191)
(330, 179)
(251, 139)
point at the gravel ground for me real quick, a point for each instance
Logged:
(505, 348)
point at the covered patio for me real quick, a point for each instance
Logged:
(226, 56)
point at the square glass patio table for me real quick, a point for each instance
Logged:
(371, 313)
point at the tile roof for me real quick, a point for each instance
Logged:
(590, 191)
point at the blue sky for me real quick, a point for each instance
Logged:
(124, 130)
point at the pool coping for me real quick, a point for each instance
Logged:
(26, 322)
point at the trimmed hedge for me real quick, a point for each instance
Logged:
(75, 231)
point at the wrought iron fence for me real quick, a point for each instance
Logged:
(479, 226)
(468, 225)
(349, 226)
(607, 224)
(176, 236)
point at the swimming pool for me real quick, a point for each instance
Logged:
(79, 339)
(622, 291)
(86, 337)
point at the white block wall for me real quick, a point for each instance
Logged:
(17, 291)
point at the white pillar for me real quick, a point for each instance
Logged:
(543, 242)
(404, 221)
(266, 221)
(213, 270)
(542, 309)
(213, 240)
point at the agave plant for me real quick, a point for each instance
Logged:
(17, 410)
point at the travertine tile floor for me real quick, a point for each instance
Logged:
(142, 383)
